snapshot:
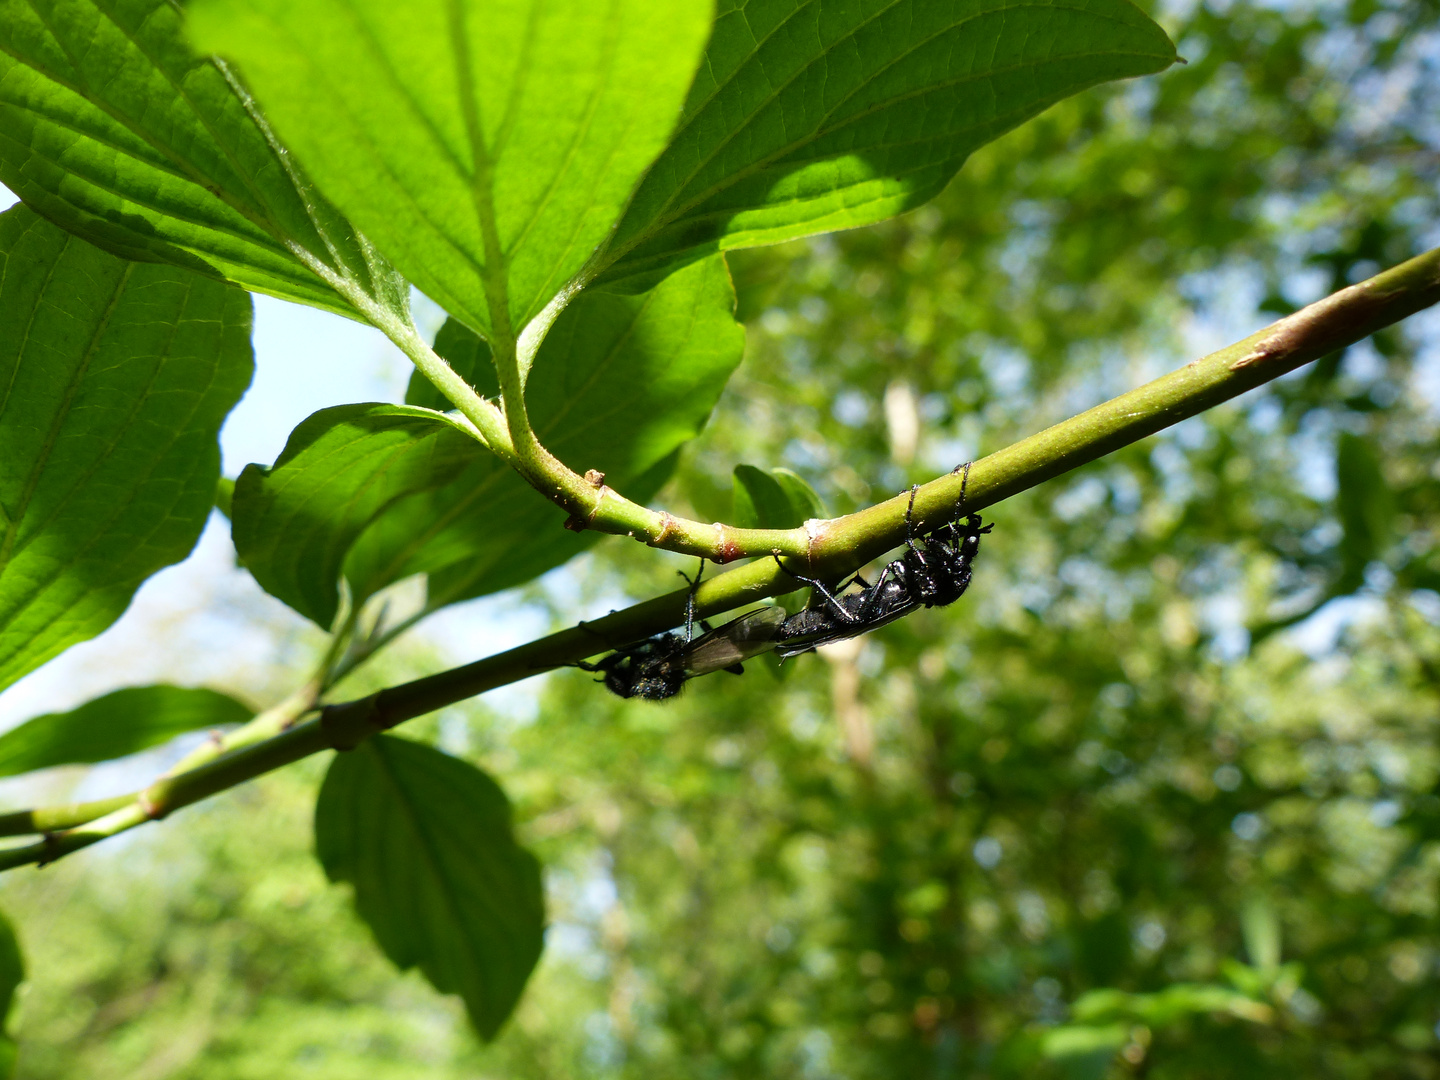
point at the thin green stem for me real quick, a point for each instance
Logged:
(285, 734)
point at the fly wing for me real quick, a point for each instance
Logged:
(750, 635)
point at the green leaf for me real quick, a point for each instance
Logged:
(808, 117)
(1366, 507)
(426, 840)
(487, 149)
(12, 974)
(115, 130)
(805, 501)
(112, 726)
(385, 491)
(114, 380)
(619, 385)
(341, 468)
(1173, 1003)
(1260, 928)
(778, 499)
(1083, 1052)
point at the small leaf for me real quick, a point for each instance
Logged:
(114, 129)
(426, 840)
(340, 470)
(1083, 1052)
(1260, 928)
(812, 116)
(760, 501)
(1164, 1007)
(486, 148)
(1365, 505)
(805, 502)
(114, 380)
(778, 499)
(112, 726)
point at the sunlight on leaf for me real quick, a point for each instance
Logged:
(486, 148)
(115, 130)
(114, 380)
(809, 117)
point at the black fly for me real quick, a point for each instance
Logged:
(935, 570)
(658, 667)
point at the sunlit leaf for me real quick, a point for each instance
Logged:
(426, 841)
(821, 115)
(386, 491)
(114, 129)
(112, 726)
(621, 383)
(486, 148)
(114, 380)
(294, 522)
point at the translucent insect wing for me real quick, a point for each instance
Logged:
(750, 635)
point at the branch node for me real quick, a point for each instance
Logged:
(347, 725)
(667, 526)
(152, 810)
(575, 523)
(726, 549)
(1254, 356)
(50, 842)
(813, 527)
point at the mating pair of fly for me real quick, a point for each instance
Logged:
(934, 570)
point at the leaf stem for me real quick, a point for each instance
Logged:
(285, 733)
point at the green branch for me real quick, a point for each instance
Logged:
(288, 733)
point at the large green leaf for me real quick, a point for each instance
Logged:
(387, 491)
(112, 726)
(486, 148)
(12, 974)
(111, 127)
(114, 380)
(427, 843)
(295, 521)
(808, 117)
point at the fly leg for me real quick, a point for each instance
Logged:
(820, 587)
(690, 602)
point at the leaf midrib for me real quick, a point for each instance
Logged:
(7, 545)
(424, 837)
(100, 531)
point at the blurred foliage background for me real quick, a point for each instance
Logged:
(1158, 797)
